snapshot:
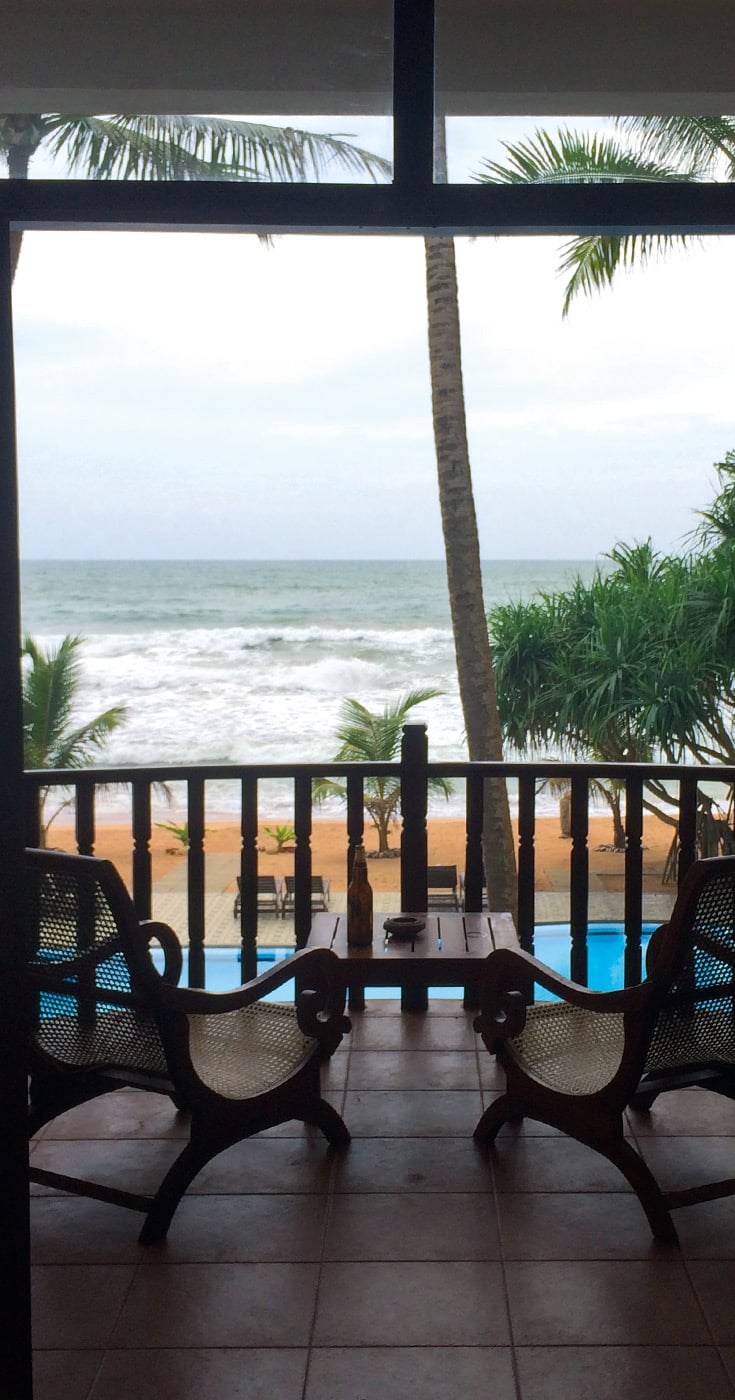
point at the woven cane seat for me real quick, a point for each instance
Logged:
(569, 1048)
(242, 1053)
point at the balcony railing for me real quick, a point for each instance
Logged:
(413, 771)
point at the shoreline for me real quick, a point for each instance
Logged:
(329, 850)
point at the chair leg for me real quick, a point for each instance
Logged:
(165, 1202)
(335, 1130)
(503, 1110)
(647, 1189)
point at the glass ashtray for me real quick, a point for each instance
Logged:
(404, 926)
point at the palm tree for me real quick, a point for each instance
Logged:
(176, 148)
(375, 737)
(475, 674)
(50, 739)
(659, 150)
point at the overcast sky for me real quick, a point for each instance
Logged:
(205, 396)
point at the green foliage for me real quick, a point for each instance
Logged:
(639, 664)
(180, 833)
(375, 737)
(678, 148)
(51, 739)
(282, 835)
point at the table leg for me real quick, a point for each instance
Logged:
(414, 998)
(356, 998)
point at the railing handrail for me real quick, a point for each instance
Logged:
(414, 772)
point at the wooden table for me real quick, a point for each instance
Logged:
(448, 953)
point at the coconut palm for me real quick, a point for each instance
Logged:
(475, 674)
(370, 736)
(50, 737)
(176, 148)
(658, 150)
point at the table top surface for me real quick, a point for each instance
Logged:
(447, 937)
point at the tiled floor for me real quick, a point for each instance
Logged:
(415, 1265)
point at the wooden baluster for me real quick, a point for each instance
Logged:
(474, 870)
(85, 817)
(355, 818)
(414, 837)
(142, 894)
(579, 872)
(195, 882)
(302, 859)
(31, 814)
(633, 878)
(687, 823)
(526, 860)
(249, 879)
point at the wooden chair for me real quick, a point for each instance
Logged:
(270, 893)
(104, 1018)
(577, 1062)
(442, 885)
(319, 894)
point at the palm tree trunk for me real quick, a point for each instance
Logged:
(464, 576)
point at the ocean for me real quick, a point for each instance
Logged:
(248, 661)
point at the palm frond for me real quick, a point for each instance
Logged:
(703, 144)
(572, 157)
(203, 148)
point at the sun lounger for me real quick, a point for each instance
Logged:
(319, 894)
(442, 887)
(270, 894)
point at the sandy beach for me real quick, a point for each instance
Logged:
(329, 844)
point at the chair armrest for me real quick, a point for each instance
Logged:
(173, 958)
(194, 1001)
(508, 973)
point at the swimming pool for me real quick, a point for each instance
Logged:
(605, 962)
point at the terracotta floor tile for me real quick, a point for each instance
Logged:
(129, 1113)
(75, 1230)
(687, 1113)
(65, 1375)
(77, 1306)
(218, 1305)
(392, 1373)
(603, 1303)
(678, 1162)
(411, 1304)
(413, 1164)
(417, 1030)
(135, 1165)
(412, 1113)
(242, 1229)
(571, 1225)
(547, 1163)
(714, 1282)
(290, 1165)
(224, 1374)
(622, 1373)
(707, 1231)
(408, 1226)
(413, 1069)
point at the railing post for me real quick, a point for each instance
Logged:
(195, 882)
(355, 818)
(302, 860)
(526, 860)
(474, 868)
(85, 818)
(633, 878)
(414, 839)
(687, 823)
(579, 877)
(142, 847)
(249, 879)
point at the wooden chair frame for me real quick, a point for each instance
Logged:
(168, 1018)
(650, 1028)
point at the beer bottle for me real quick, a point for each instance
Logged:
(359, 903)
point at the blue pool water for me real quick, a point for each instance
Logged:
(605, 954)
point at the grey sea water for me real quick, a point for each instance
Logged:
(248, 661)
